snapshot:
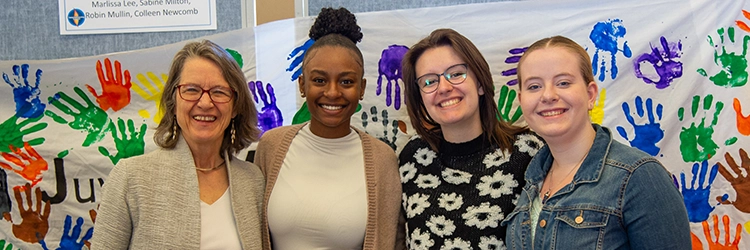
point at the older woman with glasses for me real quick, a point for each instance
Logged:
(192, 192)
(463, 171)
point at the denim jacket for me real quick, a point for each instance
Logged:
(620, 198)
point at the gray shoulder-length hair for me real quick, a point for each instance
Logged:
(246, 121)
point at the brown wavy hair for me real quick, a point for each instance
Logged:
(495, 131)
(245, 122)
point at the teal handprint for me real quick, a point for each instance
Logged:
(505, 104)
(733, 67)
(12, 133)
(129, 144)
(90, 118)
(696, 142)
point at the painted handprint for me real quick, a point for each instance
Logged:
(741, 23)
(597, 112)
(269, 115)
(665, 62)
(34, 224)
(115, 89)
(696, 196)
(516, 54)
(696, 142)
(605, 36)
(741, 183)
(237, 56)
(743, 122)
(389, 68)
(153, 87)
(646, 135)
(26, 96)
(6, 245)
(12, 133)
(505, 104)
(394, 125)
(733, 66)
(69, 239)
(90, 118)
(29, 165)
(127, 144)
(716, 245)
(296, 56)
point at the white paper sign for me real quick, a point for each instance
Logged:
(128, 16)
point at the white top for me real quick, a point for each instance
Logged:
(218, 227)
(319, 200)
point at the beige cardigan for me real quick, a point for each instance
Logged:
(152, 202)
(385, 225)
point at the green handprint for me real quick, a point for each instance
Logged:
(11, 133)
(733, 67)
(6, 245)
(505, 103)
(90, 118)
(154, 87)
(127, 146)
(696, 143)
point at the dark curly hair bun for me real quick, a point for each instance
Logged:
(336, 21)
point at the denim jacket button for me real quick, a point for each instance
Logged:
(579, 219)
(542, 223)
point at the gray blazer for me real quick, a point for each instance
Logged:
(152, 202)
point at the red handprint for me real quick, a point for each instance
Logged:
(30, 165)
(743, 122)
(715, 245)
(34, 226)
(115, 91)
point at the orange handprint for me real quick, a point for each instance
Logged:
(115, 91)
(30, 164)
(742, 24)
(34, 226)
(743, 122)
(741, 183)
(715, 245)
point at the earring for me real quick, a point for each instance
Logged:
(302, 94)
(232, 132)
(174, 128)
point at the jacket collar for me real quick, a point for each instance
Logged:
(591, 167)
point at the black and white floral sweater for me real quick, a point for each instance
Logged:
(457, 198)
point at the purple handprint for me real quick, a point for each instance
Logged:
(696, 198)
(664, 62)
(516, 56)
(389, 67)
(269, 115)
(605, 36)
(28, 104)
(297, 55)
(646, 135)
(69, 241)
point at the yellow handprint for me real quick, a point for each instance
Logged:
(597, 113)
(153, 90)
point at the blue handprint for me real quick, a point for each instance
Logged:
(26, 96)
(269, 115)
(297, 55)
(605, 36)
(389, 67)
(664, 62)
(70, 242)
(646, 135)
(696, 198)
(516, 56)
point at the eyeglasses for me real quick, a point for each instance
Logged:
(455, 75)
(192, 92)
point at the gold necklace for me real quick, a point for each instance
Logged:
(209, 169)
(551, 186)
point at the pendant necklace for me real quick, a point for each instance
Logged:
(551, 186)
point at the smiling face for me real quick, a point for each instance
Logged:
(553, 95)
(203, 121)
(332, 83)
(454, 107)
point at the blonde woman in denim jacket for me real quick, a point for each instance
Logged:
(585, 190)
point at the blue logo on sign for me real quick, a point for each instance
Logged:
(76, 17)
